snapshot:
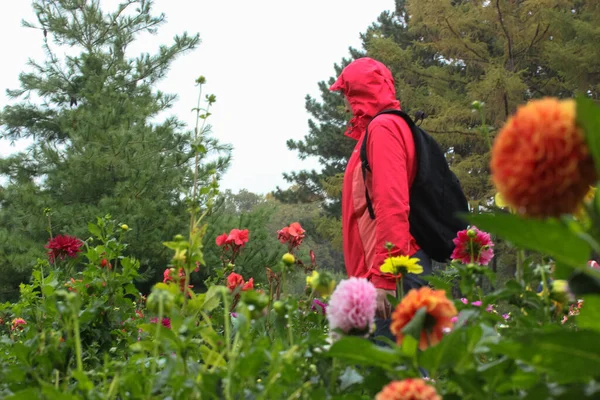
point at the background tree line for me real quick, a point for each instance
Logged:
(97, 148)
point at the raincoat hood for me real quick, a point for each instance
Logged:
(369, 87)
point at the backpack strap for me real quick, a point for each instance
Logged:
(363, 152)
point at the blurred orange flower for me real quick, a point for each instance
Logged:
(408, 389)
(540, 161)
(440, 311)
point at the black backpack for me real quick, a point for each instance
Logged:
(436, 196)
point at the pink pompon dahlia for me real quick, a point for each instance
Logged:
(352, 306)
(473, 246)
(62, 246)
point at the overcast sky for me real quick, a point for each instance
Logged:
(260, 58)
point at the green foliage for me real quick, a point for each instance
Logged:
(99, 145)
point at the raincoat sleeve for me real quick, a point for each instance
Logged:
(390, 153)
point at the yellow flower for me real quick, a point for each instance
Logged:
(560, 286)
(179, 255)
(501, 202)
(314, 277)
(401, 264)
(323, 284)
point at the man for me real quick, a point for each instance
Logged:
(368, 88)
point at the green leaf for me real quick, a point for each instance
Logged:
(131, 289)
(95, 230)
(211, 298)
(589, 317)
(588, 117)
(85, 383)
(363, 352)
(212, 357)
(438, 283)
(546, 236)
(415, 326)
(409, 346)
(564, 355)
(455, 350)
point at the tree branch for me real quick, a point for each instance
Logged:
(511, 60)
(464, 44)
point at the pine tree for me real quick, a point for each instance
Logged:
(96, 149)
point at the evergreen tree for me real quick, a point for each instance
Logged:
(95, 148)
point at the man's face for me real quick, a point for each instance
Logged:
(348, 108)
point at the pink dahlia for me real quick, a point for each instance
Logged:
(352, 306)
(473, 246)
(319, 307)
(62, 246)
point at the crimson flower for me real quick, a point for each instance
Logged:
(166, 322)
(168, 277)
(62, 246)
(235, 239)
(238, 237)
(473, 246)
(248, 285)
(222, 239)
(292, 235)
(236, 280)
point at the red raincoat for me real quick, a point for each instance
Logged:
(369, 87)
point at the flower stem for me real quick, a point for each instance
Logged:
(472, 249)
(186, 282)
(77, 342)
(196, 161)
(520, 262)
(546, 294)
(161, 311)
(290, 333)
(400, 287)
(226, 322)
(333, 379)
(484, 128)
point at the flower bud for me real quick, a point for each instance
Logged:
(279, 307)
(288, 259)
(125, 227)
(156, 297)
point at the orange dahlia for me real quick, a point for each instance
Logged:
(540, 161)
(439, 315)
(408, 389)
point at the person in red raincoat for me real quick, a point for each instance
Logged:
(368, 88)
